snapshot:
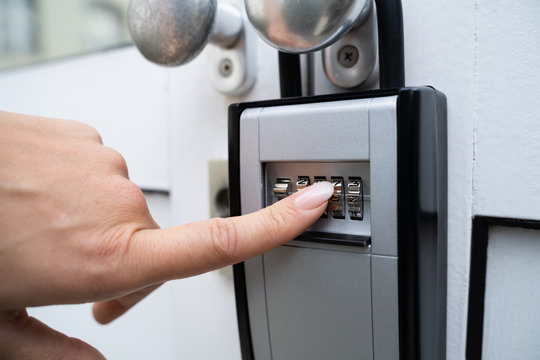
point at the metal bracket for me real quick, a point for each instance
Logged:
(350, 61)
(233, 69)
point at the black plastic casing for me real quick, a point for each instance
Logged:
(422, 216)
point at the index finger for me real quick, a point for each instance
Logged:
(159, 255)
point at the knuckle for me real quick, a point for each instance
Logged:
(113, 160)
(224, 239)
(90, 132)
(132, 194)
(127, 200)
(94, 135)
(114, 157)
(97, 137)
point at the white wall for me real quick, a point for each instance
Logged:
(484, 56)
(439, 51)
(507, 109)
(512, 313)
(169, 122)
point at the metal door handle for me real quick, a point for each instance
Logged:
(174, 32)
(305, 26)
(344, 29)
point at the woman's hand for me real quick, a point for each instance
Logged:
(75, 229)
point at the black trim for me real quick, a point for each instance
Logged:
(147, 191)
(477, 279)
(290, 77)
(422, 204)
(407, 232)
(242, 313)
(391, 48)
(337, 239)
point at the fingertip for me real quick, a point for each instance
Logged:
(105, 312)
(96, 312)
(314, 196)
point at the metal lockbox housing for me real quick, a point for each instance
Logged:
(368, 288)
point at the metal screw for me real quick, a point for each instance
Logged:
(225, 67)
(348, 56)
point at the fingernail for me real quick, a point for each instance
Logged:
(314, 196)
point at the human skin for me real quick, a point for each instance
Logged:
(75, 229)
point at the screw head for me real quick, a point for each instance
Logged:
(348, 56)
(226, 67)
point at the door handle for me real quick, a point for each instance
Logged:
(174, 32)
(305, 26)
(345, 30)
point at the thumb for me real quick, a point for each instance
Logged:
(24, 337)
(158, 255)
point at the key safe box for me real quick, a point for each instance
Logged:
(368, 279)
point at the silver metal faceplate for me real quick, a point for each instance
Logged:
(310, 300)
